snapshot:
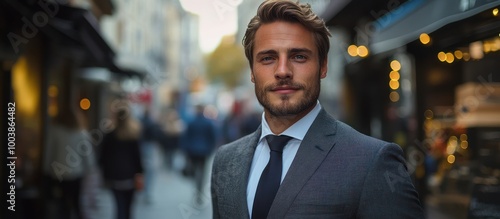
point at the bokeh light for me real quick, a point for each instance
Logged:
(352, 50)
(85, 104)
(53, 91)
(429, 114)
(394, 84)
(425, 38)
(458, 54)
(362, 51)
(394, 96)
(451, 158)
(394, 75)
(395, 65)
(442, 56)
(449, 57)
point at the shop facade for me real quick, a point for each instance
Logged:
(52, 60)
(429, 81)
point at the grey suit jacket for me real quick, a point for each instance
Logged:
(337, 173)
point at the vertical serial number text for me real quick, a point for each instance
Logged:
(11, 156)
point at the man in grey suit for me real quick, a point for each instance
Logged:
(323, 168)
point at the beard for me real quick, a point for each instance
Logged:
(287, 106)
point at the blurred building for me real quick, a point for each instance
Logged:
(160, 37)
(53, 58)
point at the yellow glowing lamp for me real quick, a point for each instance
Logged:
(425, 38)
(395, 65)
(442, 56)
(394, 75)
(394, 96)
(394, 84)
(362, 51)
(352, 50)
(85, 104)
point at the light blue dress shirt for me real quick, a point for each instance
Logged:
(261, 155)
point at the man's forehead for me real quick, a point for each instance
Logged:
(283, 36)
(282, 27)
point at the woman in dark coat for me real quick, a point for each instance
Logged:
(120, 162)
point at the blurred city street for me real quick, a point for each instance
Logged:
(173, 197)
(112, 102)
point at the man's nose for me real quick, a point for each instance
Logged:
(283, 69)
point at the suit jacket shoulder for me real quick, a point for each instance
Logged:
(341, 173)
(357, 142)
(232, 148)
(230, 172)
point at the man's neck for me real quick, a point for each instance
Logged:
(279, 124)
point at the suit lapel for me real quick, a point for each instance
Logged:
(240, 172)
(317, 143)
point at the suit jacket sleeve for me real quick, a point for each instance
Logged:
(215, 204)
(388, 191)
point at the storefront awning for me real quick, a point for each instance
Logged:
(405, 24)
(348, 13)
(333, 8)
(72, 26)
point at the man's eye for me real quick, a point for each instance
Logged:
(299, 57)
(266, 59)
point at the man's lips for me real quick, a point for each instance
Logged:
(284, 89)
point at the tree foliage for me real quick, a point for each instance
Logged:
(226, 63)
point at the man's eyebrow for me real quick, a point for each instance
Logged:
(291, 50)
(266, 52)
(299, 50)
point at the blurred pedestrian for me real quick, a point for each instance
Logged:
(150, 136)
(232, 124)
(68, 158)
(172, 127)
(198, 142)
(301, 162)
(120, 161)
(250, 123)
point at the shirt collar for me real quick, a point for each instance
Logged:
(298, 130)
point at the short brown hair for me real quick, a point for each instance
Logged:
(279, 10)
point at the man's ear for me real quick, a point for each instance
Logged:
(324, 68)
(252, 78)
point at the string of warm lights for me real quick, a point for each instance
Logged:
(361, 51)
(394, 82)
(53, 110)
(475, 51)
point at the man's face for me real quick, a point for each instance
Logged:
(286, 69)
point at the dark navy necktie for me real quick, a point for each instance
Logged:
(271, 177)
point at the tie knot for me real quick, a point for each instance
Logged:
(277, 142)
